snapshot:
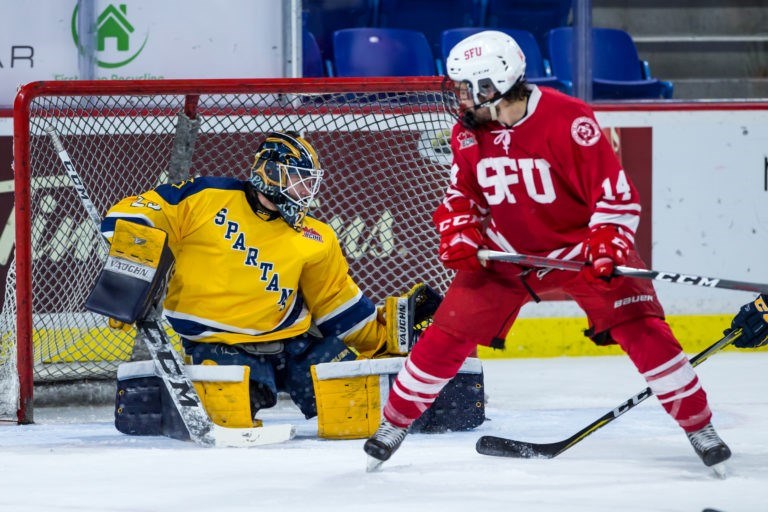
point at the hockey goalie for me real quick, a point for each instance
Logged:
(263, 303)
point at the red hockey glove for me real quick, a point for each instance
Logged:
(604, 248)
(460, 237)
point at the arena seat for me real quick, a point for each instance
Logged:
(617, 71)
(381, 52)
(324, 17)
(536, 67)
(430, 17)
(535, 16)
(311, 59)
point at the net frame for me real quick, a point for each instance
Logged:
(192, 90)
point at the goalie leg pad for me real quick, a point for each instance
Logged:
(134, 277)
(459, 406)
(348, 407)
(226, 402)
(263, 386)
(143, 406)
(350, 396)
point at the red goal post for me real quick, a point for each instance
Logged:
(383, 142)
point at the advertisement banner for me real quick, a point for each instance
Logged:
(139, 39)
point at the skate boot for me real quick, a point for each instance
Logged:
(383, 443)
(710, 448)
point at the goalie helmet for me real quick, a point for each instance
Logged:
(489, 63)
(286, 171)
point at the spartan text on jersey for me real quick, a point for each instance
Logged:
(269, 274)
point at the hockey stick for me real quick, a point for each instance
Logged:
(168, 363)
(656, 275)
(200, 427)
(503, 447)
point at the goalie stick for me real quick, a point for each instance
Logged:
(656, 275)
(168, 363)
(504, 447)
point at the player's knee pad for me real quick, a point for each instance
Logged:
(301, 354)
(349, 398)
(144, 407)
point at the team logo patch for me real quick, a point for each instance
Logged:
(465, 139)
(585, 131)
(311, 234)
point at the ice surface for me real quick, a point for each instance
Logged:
(74, 460)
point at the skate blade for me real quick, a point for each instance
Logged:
(720, 470)
(373, 465)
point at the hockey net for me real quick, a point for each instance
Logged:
(384, 143)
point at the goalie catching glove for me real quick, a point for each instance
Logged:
(752, 319)
(407, 316)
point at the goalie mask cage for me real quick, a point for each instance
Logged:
(384, 143)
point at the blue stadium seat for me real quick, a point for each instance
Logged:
(617, 71)
(430, 17)
(536, 68)
(381, 52)
(311, 59)
(535, 16)
(324, 17)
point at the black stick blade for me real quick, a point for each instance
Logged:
(502, 447)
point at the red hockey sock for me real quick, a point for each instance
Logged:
(434, 361)
(656, 353)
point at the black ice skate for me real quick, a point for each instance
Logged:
(710, 448)
(383, 443)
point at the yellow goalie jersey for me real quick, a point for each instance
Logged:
(243, 278)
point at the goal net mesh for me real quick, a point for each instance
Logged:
(385, 150)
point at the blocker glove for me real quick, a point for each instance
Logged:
(460, 236)
(752, 319)
(605, 248)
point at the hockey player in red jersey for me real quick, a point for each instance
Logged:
(532, 173)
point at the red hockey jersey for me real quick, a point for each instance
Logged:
(543, 182)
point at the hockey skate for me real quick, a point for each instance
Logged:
(383, 443)
(710, 448)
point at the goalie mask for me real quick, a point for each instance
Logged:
(486, 66)
(286, 171)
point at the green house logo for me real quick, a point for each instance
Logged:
(113, 37)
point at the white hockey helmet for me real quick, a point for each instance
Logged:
(486, 61)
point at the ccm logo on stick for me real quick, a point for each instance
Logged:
(682, 278)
